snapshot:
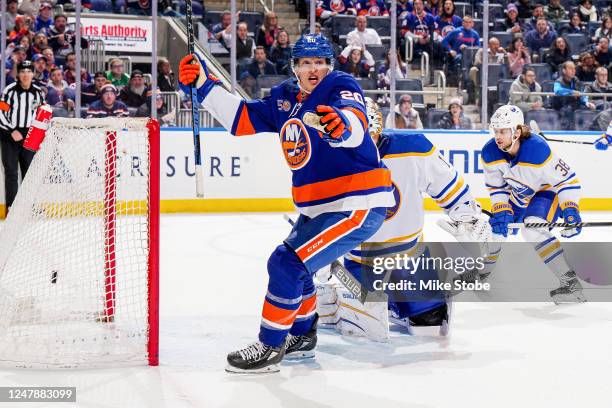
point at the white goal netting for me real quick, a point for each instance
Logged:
(77, 288)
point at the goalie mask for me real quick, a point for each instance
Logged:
(375, 119)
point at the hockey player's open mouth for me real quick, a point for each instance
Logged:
(313, 79)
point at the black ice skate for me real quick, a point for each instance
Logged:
(570, 290)
(255, 358)
(300, 347)
(434, 322)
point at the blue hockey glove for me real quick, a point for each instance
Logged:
(603, 142)
(571, 215)
(336, 124)
(193, 70)
(500, 218)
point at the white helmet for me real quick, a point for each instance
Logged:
(375, 119)
(507, 117)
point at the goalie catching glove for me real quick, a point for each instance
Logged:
(193, 71)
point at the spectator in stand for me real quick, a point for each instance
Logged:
(70, 70)
(223, 29)
(404, 116)
(61, 39)
(518, 57)
(165, 77)
(32, 6)
(600, 85)
(356, 61)
(404, 7)
(587, 65)
(40, 43)
(116, 75)
(559, 53)
(20, 29)
(245, 46)
(447, 21)
(512, 23)
(555, 12)
(91, 92)
(18, 55)
(266, 34)
(520, 91)
(540, 37)
(567, 97)
(420, 25)
(280, 53)
(602, 53)
(454, 118)
(575, 26)
(47, 52)
(23, 98)
(11, 14)
(259, 66)
(25, 43)
(108, 105)
(456, 41)
(41, 73)
(44, 18)
(329, 8)
(165, 116)
(538, 12)
(59, 95)
(384, 75)
(587, 11)
(134, 95)
(524, 8)
(433, 7)
(605, 31)
(371, 8)
(495, 55)
(361, 35)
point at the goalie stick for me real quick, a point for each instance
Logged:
(195, 113)
(347, 279)
(534, 126)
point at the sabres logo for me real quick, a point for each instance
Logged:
(391, 211)
(295, 143)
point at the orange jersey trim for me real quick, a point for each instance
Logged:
(359, 115)
(244, 127)
(341, 185)
(308, 306)
(277, 315)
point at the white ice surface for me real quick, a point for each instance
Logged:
(213, 279)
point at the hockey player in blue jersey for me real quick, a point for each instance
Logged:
(528, 182)
(340, 187)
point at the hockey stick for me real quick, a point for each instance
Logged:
(516, 225)
(534, 126)
(344, 276)
(195, 113)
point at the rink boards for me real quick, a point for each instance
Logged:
(249, 173)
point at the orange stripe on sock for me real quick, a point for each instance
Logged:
(308, 306)
(277, 315)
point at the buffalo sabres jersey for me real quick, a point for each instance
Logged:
(417, 168)
(513, 181)
(326, 177)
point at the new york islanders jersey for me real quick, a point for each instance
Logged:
(513, 181)
(326, 178)
(417, 168)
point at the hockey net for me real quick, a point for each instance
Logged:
(79, 249)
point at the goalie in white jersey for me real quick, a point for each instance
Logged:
(417, 168)
(528, 182)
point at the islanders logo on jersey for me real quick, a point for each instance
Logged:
(337, 5)
(295, 143)
(391, 211)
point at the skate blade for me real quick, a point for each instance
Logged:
(429, 331)
(273, 368)
(570, 301)
(302, 355)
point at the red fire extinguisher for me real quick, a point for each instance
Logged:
(38, 129)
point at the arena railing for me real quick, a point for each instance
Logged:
(94, 56)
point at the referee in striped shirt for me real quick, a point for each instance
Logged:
(23, 97)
